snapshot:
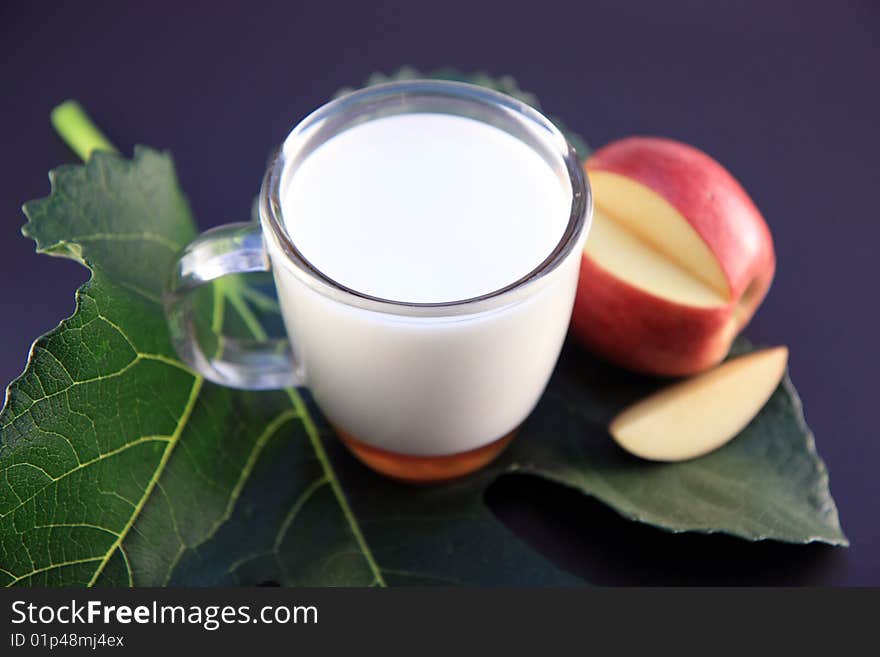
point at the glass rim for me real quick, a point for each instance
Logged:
(392, 93)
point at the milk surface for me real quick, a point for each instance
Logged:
(425, 208)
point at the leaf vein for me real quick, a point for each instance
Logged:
(172, 442)
(318, 446)
(103, 456)
(301, 501)
(53, 566)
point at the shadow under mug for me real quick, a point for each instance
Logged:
(421, 392)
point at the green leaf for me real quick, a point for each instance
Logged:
(119, 466)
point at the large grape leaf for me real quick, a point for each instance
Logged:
(119, 466)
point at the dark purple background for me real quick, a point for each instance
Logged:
(784, 94)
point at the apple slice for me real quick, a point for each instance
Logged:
(699, 415)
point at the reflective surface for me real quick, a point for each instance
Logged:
(236, 362)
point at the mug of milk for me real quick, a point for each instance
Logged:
(425, 239)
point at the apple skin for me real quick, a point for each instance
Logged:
(647, 333)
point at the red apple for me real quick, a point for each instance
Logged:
(677, 261)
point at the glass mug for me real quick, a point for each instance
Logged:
(420, 392)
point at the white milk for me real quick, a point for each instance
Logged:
(426, 208)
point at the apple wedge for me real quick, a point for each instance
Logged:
(699, 415)
(677, 260)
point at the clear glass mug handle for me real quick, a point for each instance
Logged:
(250, 364)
